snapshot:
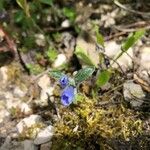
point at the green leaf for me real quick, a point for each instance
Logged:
(132, 39)
(19, 16)
(2, 4)
(99, 37)
(70, 13)
(29, 41)
(23, 4)
(103, 78)
(47, 2)
(51, 54)
(35, 68)
(56, 74)
(83, 74)
(83, 56)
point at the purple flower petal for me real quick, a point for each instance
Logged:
(68, 95)
(64, 81)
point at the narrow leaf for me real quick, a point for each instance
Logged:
(132, 39)
(99, 37)
(56, 74)
(84, 74)
(23, 4)
(103, 78)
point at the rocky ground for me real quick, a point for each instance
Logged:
(20, 119)
(29, 104)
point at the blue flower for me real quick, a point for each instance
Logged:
(68, 95)
(64, 81)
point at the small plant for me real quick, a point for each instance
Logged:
(51, 53)
(69, 85)
(35, 68)
(69, 13)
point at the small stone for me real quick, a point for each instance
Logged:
(8, 95)
(28, 122)
(14, 135)
(3, 114)
(124, 61)
(3, 75)
(133, 93)
(18, 92)
(12, 103)
(61, 59)
(16, 145)
(44, 95)
(45, 135)
(49, 18)
(29, 145)
(10, 144)
(145, 58)
(25, 109)
(44, 84)
(40, 39)
(46, 146)
(109, 18)
(6, 143)
(111, 48)
(2, 140)
(65, 23)
(69, 42)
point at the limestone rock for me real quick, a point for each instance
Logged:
(29, 145)
(133, 93)
(46, 146)
(28, 122)
(9, 144)
(111, 48)
(46, 88)
(145, 58)
(18, 92)
(3, 75)
(44, 135)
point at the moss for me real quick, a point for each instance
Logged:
(87, 125)
(14, 72)
(16, 75)
(35, 68)
(57, 91)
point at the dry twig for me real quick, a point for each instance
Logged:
(146, 14)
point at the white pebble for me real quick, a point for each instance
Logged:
(25, 108)
(61, 59)
(65, 23)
